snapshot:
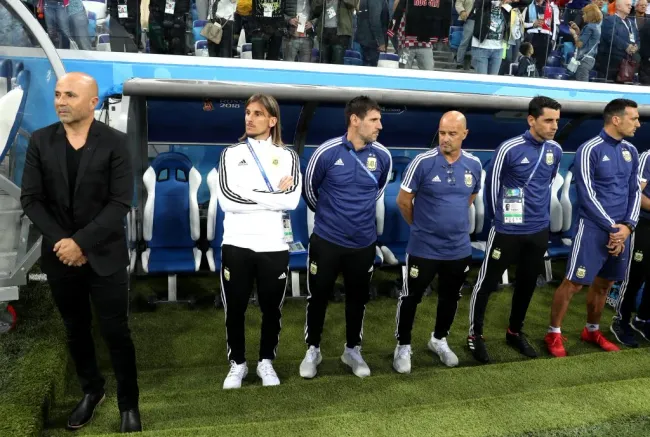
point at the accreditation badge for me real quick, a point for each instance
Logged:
(371, 163)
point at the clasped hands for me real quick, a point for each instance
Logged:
(617, 239)
(69, 253)
(285, 183)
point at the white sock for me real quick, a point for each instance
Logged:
(554, 330)
(593, 327)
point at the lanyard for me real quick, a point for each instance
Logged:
(259, 165)
(354, 155)
(541, 152)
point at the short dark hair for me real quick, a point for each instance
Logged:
(360, 106)
(525, 48)
(617, 107)
(539, 103)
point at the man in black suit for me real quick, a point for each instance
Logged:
(77, 188)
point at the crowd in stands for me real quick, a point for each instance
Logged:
(576, 39)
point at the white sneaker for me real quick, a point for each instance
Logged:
(441, 348)
(267, 373)
(235, 376)
(309, 366)
(353, 358)
(402, 358)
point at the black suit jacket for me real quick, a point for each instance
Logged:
(102, 197)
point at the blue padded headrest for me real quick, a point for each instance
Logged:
(171, 161)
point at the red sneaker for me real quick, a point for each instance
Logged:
(554, 342)
(598, 338)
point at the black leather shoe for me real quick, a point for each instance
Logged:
(85, 410)
(131, 421)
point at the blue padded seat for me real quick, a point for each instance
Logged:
(171, 215)
(12, 109)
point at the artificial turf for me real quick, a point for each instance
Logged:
(182, 362)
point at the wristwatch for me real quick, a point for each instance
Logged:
(630, 227)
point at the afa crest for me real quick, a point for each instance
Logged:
(371, 163)
(581, 272)
(638, 256)
(414, 272)
(226, 274)
(468, 179)
(275, 162)
(627, 156)
(496, 253)
(313, 268)
(549, 157)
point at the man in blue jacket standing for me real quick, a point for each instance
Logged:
(518, 193)
(344, 179)
(372, 25)
(619, 40)
(609, 199)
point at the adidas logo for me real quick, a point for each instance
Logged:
(436, 179)
(283, 276)
(525, 161)
(339, 162)
(605, 158)
(242, 162)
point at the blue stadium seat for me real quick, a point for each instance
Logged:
(352, 61)
(315, 55)
(388, 60)
(171, 218)
(6, 72)
(555, 73)
(554, 61)
(352, 54)
(455, 36)
(92, 24)
(201, 48)
(197, 26)
(247, 51)
(396, 231)
(214, 223)
(18, 67)
(301, 234)
(12, 109)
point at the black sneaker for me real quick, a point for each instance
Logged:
(476, 346)
(520, 342)
(623, 332)
(642, 327)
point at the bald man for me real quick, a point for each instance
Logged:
(77, 188)
(444, 181)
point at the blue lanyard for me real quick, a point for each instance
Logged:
(541, 152)
(259, 165)
(354, 155)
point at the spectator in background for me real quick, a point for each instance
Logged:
(124, 25)
(465, 9)
(577, 17)
(268, 24)
(167, 26)
(587, 40)
(299, 41)
(66, 21)
(514, 38)
(573, 10)
(492, 24)
(542, 21)
(644, 52)
(223, 13)
(619, 40)
(526, 67)
(441, 23)
(372, 24)
(640, 13)
(334, 28)
(413, 27)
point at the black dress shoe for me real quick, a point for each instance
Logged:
(85, 410)
(131, 421)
